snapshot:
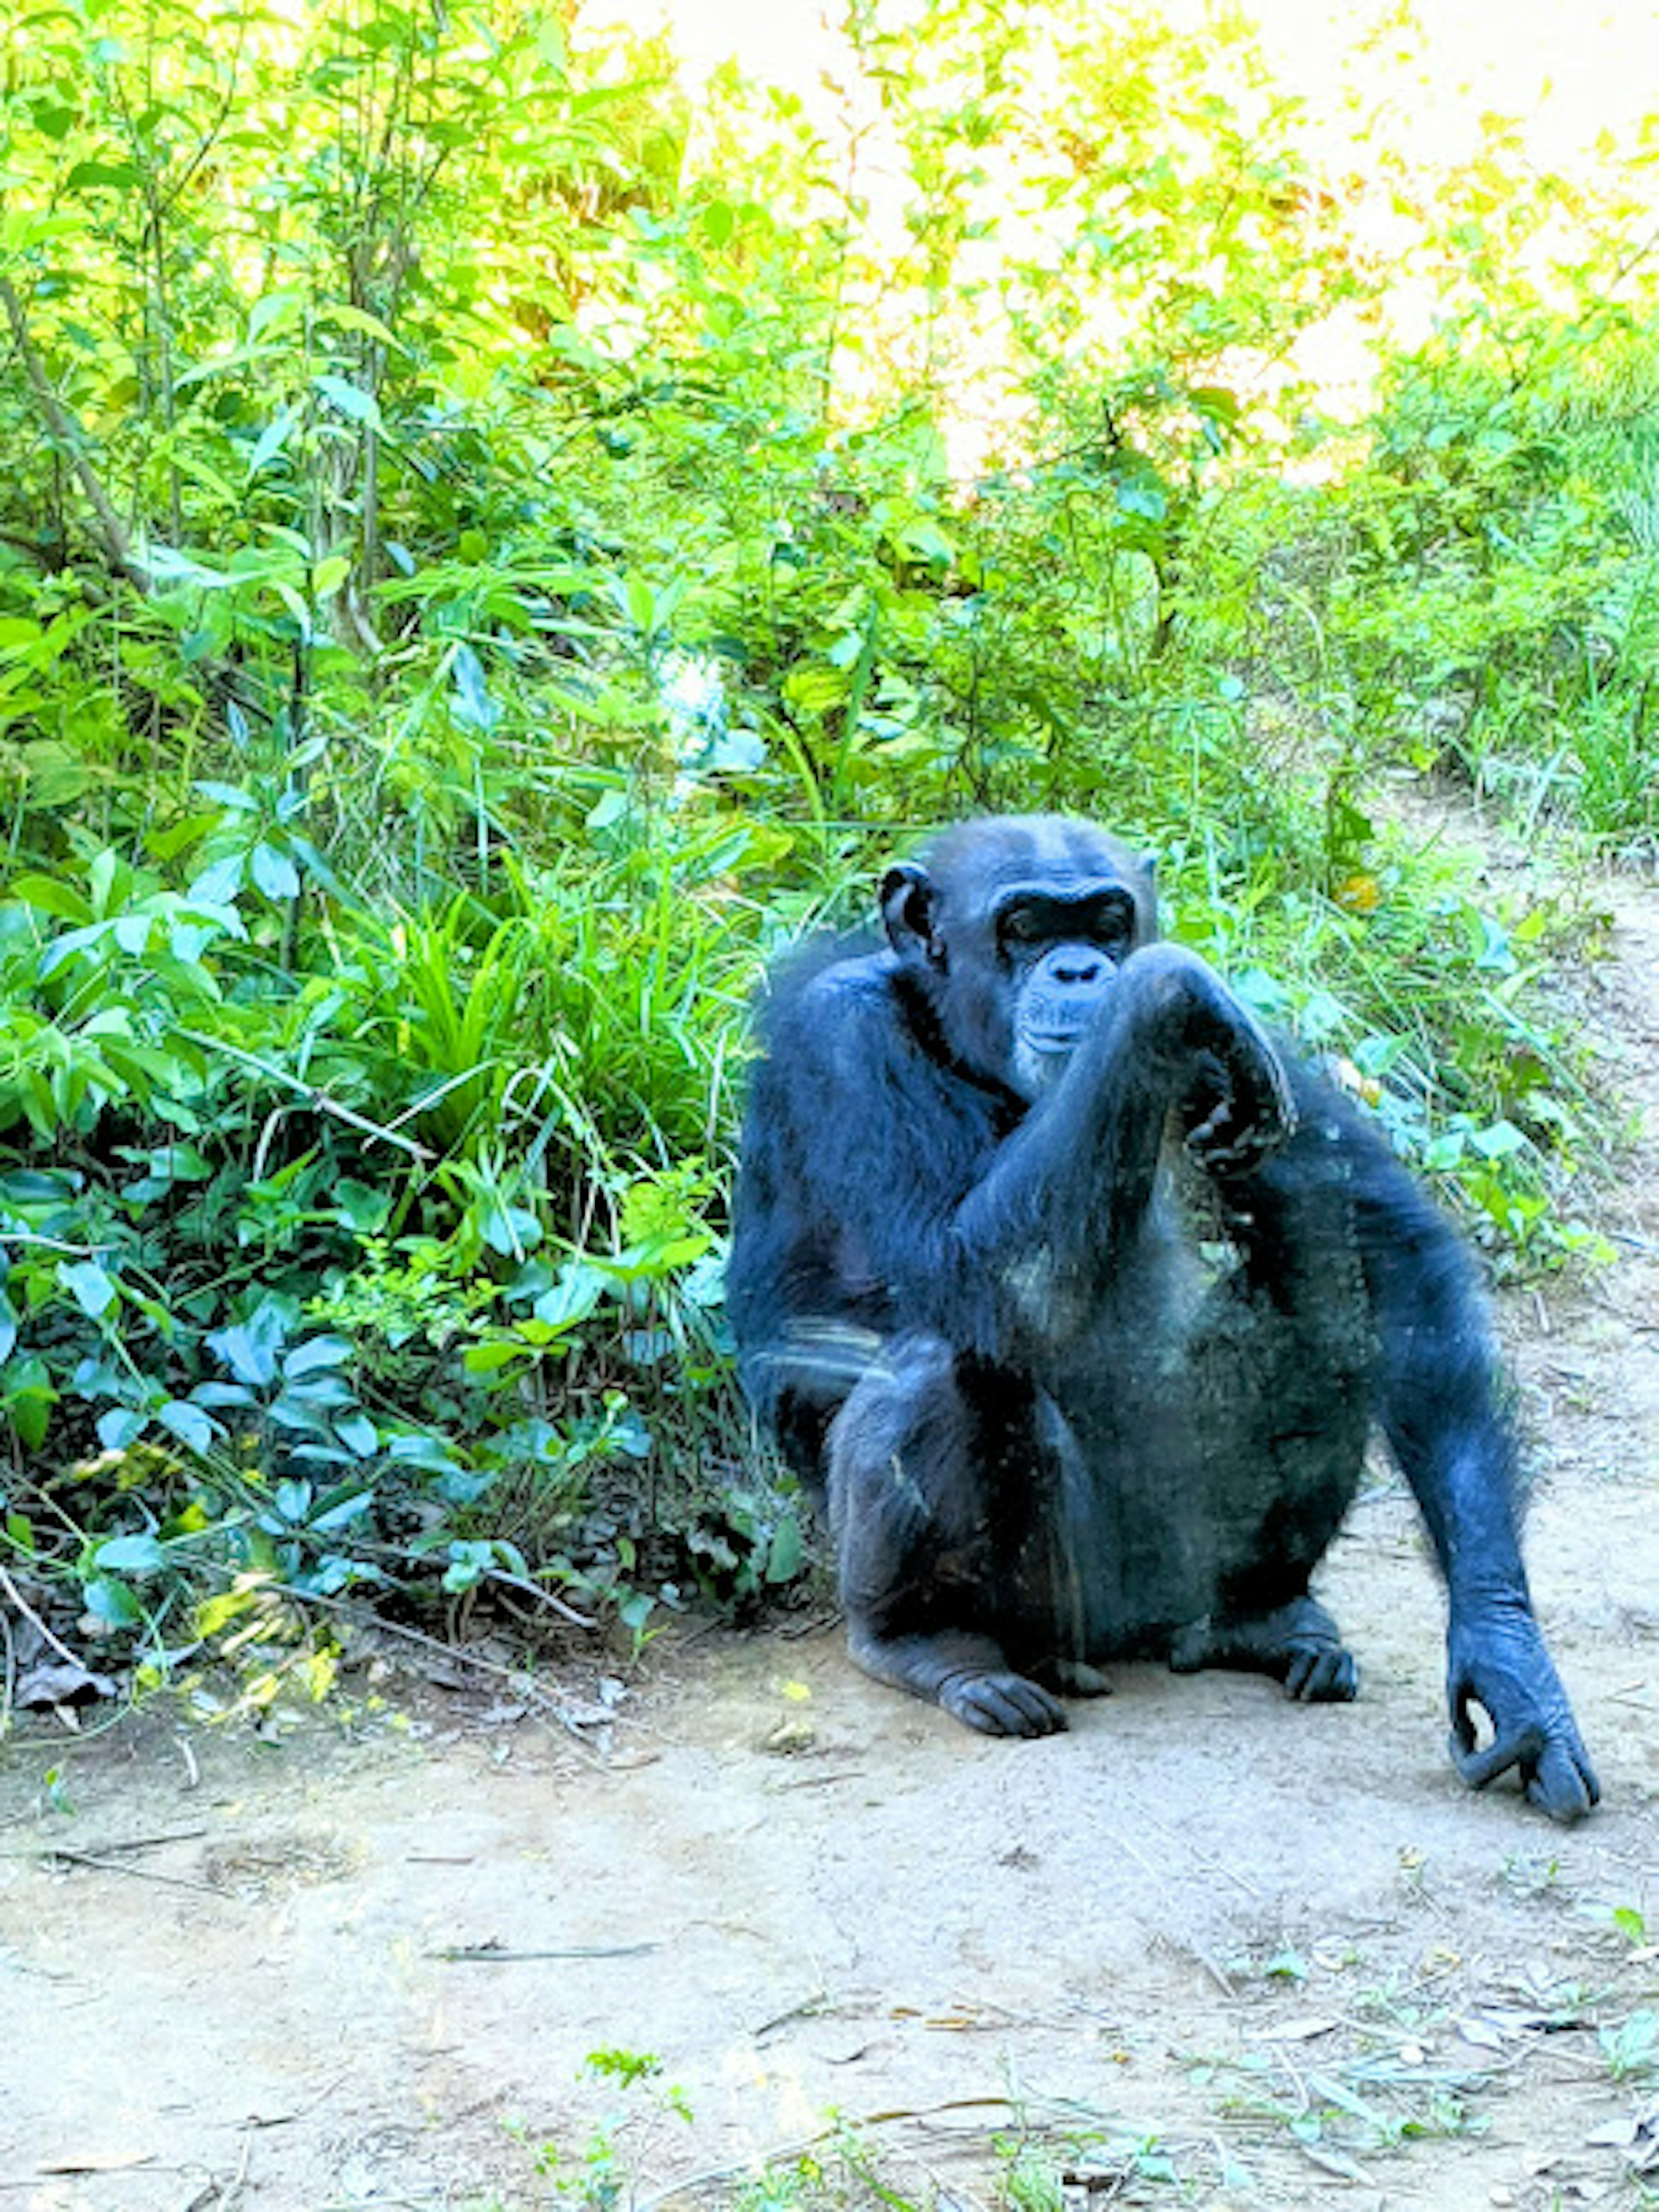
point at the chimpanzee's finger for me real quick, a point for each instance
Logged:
(1521, 1746)
(1564, 1783)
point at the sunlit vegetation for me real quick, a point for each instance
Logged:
(495, 541)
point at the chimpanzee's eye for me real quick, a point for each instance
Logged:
(1022, 925)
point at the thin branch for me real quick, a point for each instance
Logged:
(318, 1099)
(65, 436)
(7, 1677)
(69, 1657)
(63, 1855)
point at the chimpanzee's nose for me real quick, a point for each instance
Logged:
(1076, 963)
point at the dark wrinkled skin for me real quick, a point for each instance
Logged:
(1082, 1298)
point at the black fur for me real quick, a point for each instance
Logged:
(1084, 1298)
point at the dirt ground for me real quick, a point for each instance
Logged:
(1209, 1948)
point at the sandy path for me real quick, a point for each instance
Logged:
(1280, 1945)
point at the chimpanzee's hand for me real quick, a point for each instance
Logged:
(1496, 1661)
(1239, 1108)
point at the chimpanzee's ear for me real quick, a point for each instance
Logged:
(1146, 891)
(907, 908)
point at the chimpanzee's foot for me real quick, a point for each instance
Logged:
(1299, 1644)
(966, 1674)
(1072, 1678)
(1002, 1705)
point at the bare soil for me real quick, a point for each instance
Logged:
(1209, 1947)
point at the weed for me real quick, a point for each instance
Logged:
(1631, 2049)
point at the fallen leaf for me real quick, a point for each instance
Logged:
(60, 1682)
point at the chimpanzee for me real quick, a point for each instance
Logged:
(1084, 1296)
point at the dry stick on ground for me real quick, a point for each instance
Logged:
(65, 434)
(899, 2116)
(1216, 1973)
(492, 1954)
(693, 2182)
(7, 1677)
(114, 1844)
(454, 1655)
(63, 1855)
(69, 1657)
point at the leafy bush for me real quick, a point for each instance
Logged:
(490, 553)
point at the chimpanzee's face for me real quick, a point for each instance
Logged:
(1020, 928)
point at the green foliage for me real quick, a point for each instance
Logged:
(1631, 2049)
(601, 2176)
(491, 550)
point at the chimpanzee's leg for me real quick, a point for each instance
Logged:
(932, 1479)
(1290, 1363)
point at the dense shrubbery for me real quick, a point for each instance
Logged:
(483, 561)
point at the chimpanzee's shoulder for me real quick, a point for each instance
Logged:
(829, 984)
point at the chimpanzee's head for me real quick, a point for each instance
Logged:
(1015, 928)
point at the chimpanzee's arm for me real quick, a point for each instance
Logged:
(1437, 1403)
(935, 1186)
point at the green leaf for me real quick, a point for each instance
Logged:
(357, 318)
(293, 1501)
(218, 884)
(111, 1602)
(307, 1414)
(273, 872)
(93, 1291)
(572, 1298)
(342, 1511)
(214, 1613)
(119, 1425)
(317, 1351)
(111, 176)
(499, 1351)
(29, 1399)
(1497, 1142)
(294, 604)
(469, 1562)
(130, 1555)
(360, 1205)
(46, 895)
(271, 440)
(1143, 496)
(276, 313)
(31, 1416)
(358, 1434)
(361, 406)
(194, 1428)
(509, 1229)
(249, 1348)
(785, 1554)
